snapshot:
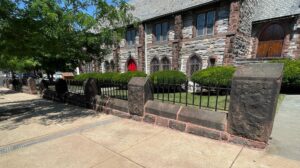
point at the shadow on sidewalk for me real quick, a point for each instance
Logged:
(40, 111)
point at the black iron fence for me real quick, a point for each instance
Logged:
(113, 89)
(193, 94)
(75, 86)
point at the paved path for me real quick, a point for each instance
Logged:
(58, 135)
(286, 131)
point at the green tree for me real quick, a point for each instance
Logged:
(58, 34)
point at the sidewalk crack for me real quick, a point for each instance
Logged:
(236, 157)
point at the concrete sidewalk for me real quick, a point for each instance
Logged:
(58, 135)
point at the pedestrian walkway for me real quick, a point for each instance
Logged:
(286, 131)
(58, 135)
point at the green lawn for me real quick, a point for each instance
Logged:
(194, 100)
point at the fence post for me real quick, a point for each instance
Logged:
(31, 86)
(139, 92)
(90, 92)
(253, 101)
(61, 89)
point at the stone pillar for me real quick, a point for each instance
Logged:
(177, 44)
(238, 39)
(7, 83)
(31, 86)
(253, 101)
(141, 49)
(139, 92)
(90, 92)
(61, 89)
(116, 54)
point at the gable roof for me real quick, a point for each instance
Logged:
(151, 9)
(269, 9)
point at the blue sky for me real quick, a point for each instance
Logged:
(91, 10)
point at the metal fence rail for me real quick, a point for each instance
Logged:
(112, 89)
(75, 86)
(192, 94)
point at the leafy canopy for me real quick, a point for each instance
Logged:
(60, 32)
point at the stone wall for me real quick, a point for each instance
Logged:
(205, 47)
(238, 44)
(294, 45)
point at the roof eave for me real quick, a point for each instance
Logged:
(179, 11)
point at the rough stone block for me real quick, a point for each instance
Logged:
(119, 113)
(254, 95)
(137, 118)
(210, 119)
(117, 104)
(247, 142)
(162, 109)
(31, 86)
(149, 119)
(177, 125)
(200, 131)
(164, 122)
(139, 92)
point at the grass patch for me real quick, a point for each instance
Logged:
(210, 102)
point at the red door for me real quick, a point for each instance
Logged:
(131, 65)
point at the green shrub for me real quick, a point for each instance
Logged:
(291, 75)
(171, 77)
(125, 77)
(214, 76)
(105, 77)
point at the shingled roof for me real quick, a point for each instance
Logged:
(150, 9)
(269, 9)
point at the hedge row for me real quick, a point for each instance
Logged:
(214, 76)
(111, 76)
(170, 77)
(291, 75)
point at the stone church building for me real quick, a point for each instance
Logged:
(190, 35)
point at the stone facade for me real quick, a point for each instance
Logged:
(235, 37)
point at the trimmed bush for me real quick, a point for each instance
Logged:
(125, 77)
(105, 77)
(291, 75)
(214, 76)
(171, 77)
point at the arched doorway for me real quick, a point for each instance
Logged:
(131, 65)
(271, 42)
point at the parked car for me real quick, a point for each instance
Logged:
(57, 75)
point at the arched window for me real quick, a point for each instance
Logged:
(194, 65)
(154, 65)
(112, 65)
(165, 63)
(106, 66)
(271, 42)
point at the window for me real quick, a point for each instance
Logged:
(130, 37)
(106, 66)
(154, 65)
(205, 23)
(161, 31)
(112, 65)
(165, 64)
(212, 62)
(194, 65)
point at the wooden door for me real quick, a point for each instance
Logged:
(271, 42)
